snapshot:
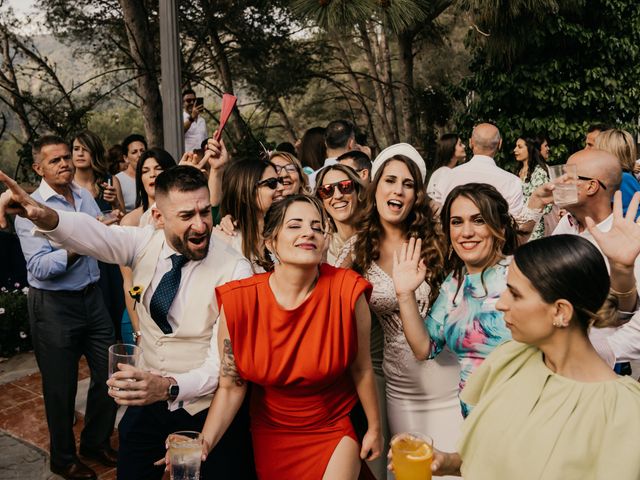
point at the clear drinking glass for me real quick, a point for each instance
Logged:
(185, 452)
(412, 455)
(123, 353)
(565, 181)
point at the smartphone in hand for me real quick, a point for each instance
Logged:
(199, 101)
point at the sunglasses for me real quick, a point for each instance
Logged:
(271, 182)
(327, 190)
(593, 179)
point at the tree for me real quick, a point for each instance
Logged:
(121, 35)
(577, 67)
(382, 28)
(32, 89)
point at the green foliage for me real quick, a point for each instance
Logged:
(397, 15)
(115, 123)
(15, 334)
(581, 67)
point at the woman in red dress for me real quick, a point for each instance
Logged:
(300, 335)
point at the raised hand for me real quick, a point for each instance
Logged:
(227, 225)
(15, 201)
(216, 153)
(541, 196)
(621, 244)
(409, 271)
(192, 159)
(109, 193)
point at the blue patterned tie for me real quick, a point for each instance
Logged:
(165, 293)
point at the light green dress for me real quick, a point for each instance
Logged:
(529, 423)
(538, 177)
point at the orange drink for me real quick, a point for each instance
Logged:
(412, 454)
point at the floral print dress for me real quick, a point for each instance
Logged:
(466, 319)
(538, 177)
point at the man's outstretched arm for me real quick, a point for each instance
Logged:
(74, 231)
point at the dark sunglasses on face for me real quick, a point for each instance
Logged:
(271, 182)
(327, 190)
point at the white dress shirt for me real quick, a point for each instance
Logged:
(120, 245)
(438, 178)
(483, 169)
(623, 342)
(196, 134)
(327, 162)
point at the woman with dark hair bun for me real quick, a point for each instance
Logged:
(546, 406)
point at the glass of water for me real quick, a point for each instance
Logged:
(185, 453)
(565, 181)
(123, 353)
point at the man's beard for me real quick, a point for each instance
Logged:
(188, 249)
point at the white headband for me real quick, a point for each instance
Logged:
(399, 149)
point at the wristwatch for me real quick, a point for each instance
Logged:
(174, 389)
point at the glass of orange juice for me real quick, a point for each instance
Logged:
(412, 455)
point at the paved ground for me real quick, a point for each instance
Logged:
(24, 438)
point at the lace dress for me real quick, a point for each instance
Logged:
(422, 396)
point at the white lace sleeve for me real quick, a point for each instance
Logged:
(345, 257)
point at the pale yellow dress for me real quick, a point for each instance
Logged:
(530, 423)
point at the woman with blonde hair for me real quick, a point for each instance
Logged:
(290, 169)
(341, 192)
(621, 144)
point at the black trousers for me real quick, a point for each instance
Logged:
(144, 430)
(65, 326)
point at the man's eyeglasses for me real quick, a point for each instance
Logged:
(289, 168)
(592, 179)
(271, 182)
(327, 190)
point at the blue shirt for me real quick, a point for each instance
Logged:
(628, 187)
(46, 263)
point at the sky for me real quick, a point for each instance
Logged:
(23, 7)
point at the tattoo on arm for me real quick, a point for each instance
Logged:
(228, 364)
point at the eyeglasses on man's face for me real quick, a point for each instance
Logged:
(590, 179)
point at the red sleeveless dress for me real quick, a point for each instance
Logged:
(298, 361)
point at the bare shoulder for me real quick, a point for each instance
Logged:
(132, 219)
